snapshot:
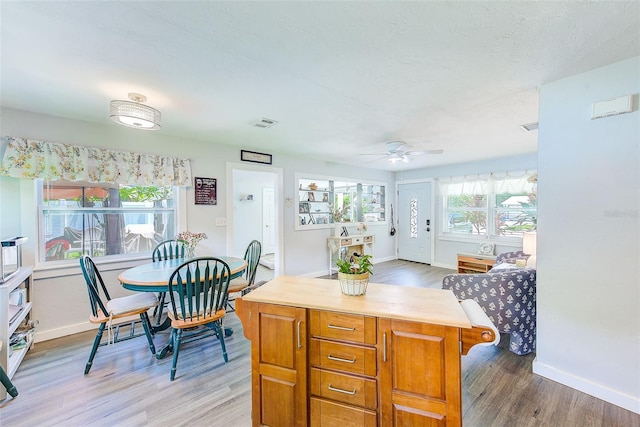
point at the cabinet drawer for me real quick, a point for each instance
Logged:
(342, 357)
(343, 327)
(368, 239)
(345, 242)
(333, 414)
(344, 388)
(356, 240)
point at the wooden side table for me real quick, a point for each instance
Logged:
(474, 263)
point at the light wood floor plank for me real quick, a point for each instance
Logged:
(127, 386)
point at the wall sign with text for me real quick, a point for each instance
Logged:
(205, 191)
(252, 156)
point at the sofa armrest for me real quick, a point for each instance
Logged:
(508, 298)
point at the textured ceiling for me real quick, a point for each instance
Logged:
(341, 78)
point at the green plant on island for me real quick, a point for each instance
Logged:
(361, 264)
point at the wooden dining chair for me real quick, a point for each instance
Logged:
(6, 381)
(168, 249)
(197, 291)
(239, 284)
(104, 314)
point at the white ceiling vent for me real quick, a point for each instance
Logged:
(264, 123)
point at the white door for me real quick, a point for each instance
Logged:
(268, 223)
(414, 222)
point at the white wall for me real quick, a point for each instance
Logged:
(588, 236)
(305, 252)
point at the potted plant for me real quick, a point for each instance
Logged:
(354, 275)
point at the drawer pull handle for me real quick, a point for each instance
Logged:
(384, 347)
(340, 359)
(339, 390)
(342, 328)
(299, 340)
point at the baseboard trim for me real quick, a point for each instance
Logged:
(614, 397)
(50, 334)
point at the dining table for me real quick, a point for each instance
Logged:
(154, 277)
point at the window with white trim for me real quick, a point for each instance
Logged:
(102, 220)
(497, 206)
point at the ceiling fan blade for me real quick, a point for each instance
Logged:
(379, 158)
(421, 152)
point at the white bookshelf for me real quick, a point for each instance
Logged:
(21, 279)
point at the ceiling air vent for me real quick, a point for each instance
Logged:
(264, 123)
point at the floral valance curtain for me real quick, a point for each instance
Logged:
(27, 158)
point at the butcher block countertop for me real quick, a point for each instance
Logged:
(434, 306)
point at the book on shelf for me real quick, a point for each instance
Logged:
(14, 311)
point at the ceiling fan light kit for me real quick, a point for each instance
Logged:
(135, 114)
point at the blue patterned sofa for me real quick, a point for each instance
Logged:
(507, 294)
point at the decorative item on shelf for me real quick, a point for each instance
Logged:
(190, 240)
(353, 275)
(313, 186)
(362, 228)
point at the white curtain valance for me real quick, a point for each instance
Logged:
(27, 158)
(502, 182)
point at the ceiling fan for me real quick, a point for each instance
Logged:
(398, 151)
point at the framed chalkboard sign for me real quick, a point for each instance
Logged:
(205, 191)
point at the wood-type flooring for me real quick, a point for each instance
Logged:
(127, 386)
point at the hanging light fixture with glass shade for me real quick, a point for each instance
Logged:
(135, 114)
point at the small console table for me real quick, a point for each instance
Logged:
(474, 263)
(345, 247)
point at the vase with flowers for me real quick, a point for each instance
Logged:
(190, 240)
(362, 228)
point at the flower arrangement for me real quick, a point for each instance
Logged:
(362, 228)
(190, 240)
(338, 213)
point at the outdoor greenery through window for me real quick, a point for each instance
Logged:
(103, 219)
(493, 206)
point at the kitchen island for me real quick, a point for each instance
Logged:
(321, 358)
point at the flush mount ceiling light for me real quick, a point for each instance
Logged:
(135, 114)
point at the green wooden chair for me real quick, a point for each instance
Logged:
(240, 284)
(6, 381)
(197, 290)
(104, 314)
(169, 249)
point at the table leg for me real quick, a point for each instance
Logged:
(161, 326)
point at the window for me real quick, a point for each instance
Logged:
(324, 201)
(495, 207)
(103, 220)
(413, 218)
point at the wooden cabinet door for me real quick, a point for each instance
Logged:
(279, 362)
(419, 374)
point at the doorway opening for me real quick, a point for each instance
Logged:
(253, 213)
